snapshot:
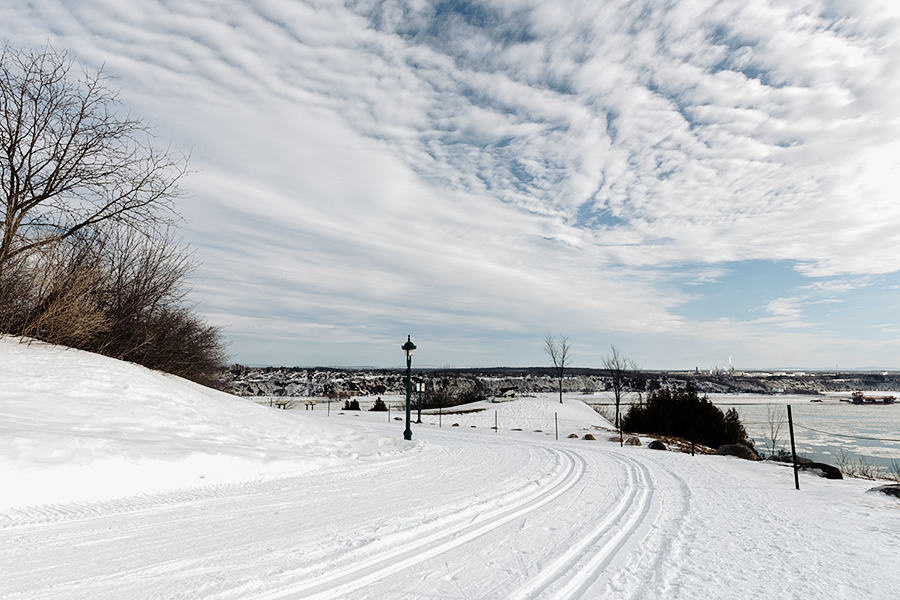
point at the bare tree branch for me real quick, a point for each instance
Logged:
(68, 161)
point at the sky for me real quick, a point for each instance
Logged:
(688, 181)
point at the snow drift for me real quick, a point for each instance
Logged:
(76, 426)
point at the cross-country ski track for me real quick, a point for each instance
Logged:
(462, 515)
(531, 520)
(120, 483)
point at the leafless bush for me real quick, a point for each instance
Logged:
(894, 470)
(844, 462)
(49, 296)
(605, 411)
(773, 428)
(116, 292)
(866, 469)
(862, 467)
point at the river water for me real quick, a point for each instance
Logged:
(829, 431)
(826, 431)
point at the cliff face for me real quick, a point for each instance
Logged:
(483, 383)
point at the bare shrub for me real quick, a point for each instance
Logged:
(893, 470)
(866, 469)
(48, 295)
(605, 411)
(116, 292)
(773, 429)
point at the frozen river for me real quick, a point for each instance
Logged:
(824, 430)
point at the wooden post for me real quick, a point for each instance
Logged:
(440, 411)
(495, 422)
(556, 424)
(793, 448)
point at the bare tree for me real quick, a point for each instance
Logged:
(620, 371)
(558, 350)
(773, 428)
(68, 161)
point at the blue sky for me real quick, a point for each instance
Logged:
(688, 181)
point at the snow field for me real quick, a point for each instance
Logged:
(298, 504)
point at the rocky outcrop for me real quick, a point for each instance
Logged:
(739, 450)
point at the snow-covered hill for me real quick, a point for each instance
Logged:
(76, 426)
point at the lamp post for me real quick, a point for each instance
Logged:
(420, 387)
(408, 348)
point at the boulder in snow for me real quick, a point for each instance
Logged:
(890, 490)
(633, 441)
(657, 445)
(739, 450)
(823, 470)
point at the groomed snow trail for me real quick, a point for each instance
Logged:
(470, 514)
(464, 517)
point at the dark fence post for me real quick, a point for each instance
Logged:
(793, 448)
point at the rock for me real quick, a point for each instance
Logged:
(588, 436)
(739, 450)
(573, 436)
(615, 438)
(823, 470)
(455, 425)
(633, 441)
(890, 490)
(786, 457)
(656, 445)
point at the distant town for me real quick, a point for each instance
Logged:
(503, 381)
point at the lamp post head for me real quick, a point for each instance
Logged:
(408, 347)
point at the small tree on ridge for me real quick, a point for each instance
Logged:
(558, 351)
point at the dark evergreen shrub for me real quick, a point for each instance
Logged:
(351, 404)
(379, 406)
(684, 414)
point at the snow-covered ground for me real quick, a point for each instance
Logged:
(123, 483)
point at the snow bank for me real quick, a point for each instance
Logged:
(540, 412)
(76, 426)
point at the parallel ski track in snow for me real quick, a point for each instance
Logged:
(344, 581)
(565, 571)
(570, 575)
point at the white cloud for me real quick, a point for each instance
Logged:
(519, 167)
